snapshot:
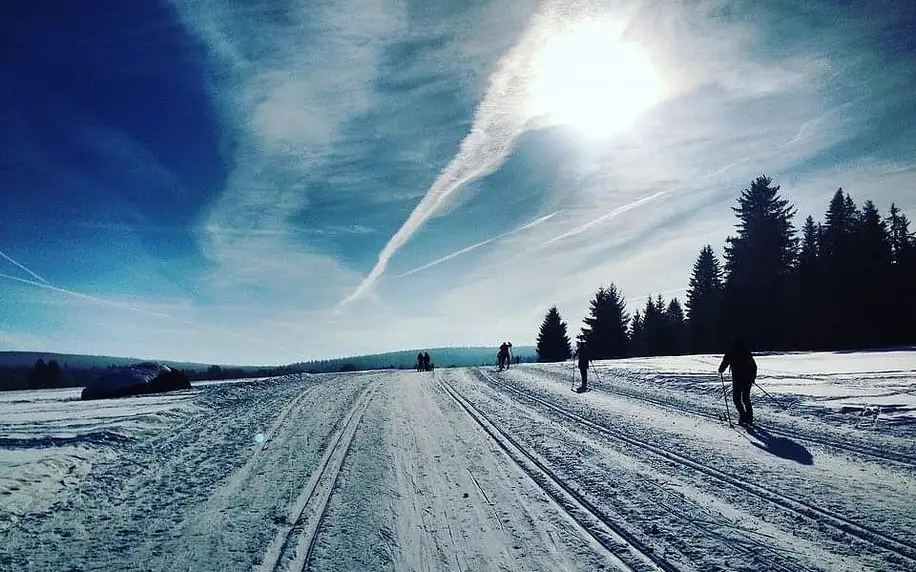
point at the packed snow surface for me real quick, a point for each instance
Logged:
(473, 469)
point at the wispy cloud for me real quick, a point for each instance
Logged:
(363, 134)
(477, 245)
(153, 313)
(499, 119)
(289, 78)
(738, 110)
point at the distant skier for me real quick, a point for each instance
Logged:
(420, 361)
(582, 355)
(503, 355)
(425, 361)
(744, 372)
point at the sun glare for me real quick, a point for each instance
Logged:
(592, 80)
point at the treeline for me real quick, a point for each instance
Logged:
(407, 359)
(46, 375)
(51, 375)
(844, 283)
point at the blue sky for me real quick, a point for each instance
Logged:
(244, 182)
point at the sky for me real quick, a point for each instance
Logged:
(262, 183)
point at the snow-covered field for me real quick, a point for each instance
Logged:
(472, 469)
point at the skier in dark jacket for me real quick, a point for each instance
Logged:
(504, 355)
(582, 354)
(425, 361)
(420, 361)
(744, 372)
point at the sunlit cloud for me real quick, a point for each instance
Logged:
(518, 93)
(468, 146)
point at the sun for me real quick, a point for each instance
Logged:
(592, 80)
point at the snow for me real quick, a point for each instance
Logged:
(473, 469)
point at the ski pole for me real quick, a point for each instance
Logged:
(598, 379)
(728, 414)
(767, 393)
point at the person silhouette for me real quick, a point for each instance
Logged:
(744, 372)
(503, 355)
(582, 355)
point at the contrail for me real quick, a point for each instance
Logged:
(619, 210)
(535, 222)
(455, 254)
(467, 249)
(36, 276)
(498, 121)
(123, 306)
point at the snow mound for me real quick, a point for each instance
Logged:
(141, 378)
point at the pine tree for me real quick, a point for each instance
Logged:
(38, 377)
(55, 375)
(809, 288)
(654, 327)
(758, 263)
(902, 329)
(704, 300)
(839, 226)
(872, 279)
(637, 335)
(605, 330)
(553, 340)
(838, 252)
(677, 328)
(901, 241)
(810, 245)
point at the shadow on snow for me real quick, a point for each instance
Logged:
(780, 446)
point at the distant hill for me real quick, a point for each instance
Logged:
(18, 369)
(406, 359)
(79, 361)
(442, 357)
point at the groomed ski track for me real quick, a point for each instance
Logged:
(458, 469)
(897, 546)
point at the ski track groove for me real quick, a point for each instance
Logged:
(613, 539)
(896, 457)
(863, 532)
(304, 532)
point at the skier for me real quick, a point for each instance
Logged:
(420, 361)
(425, 361)
(503, 355)
(744, 372)
(582, 355)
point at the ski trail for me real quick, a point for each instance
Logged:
(307, 512)
(622, 549)
(800, 507)
(682, 407)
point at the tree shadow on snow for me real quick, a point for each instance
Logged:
(781, 446)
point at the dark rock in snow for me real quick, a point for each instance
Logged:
(138, 379)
